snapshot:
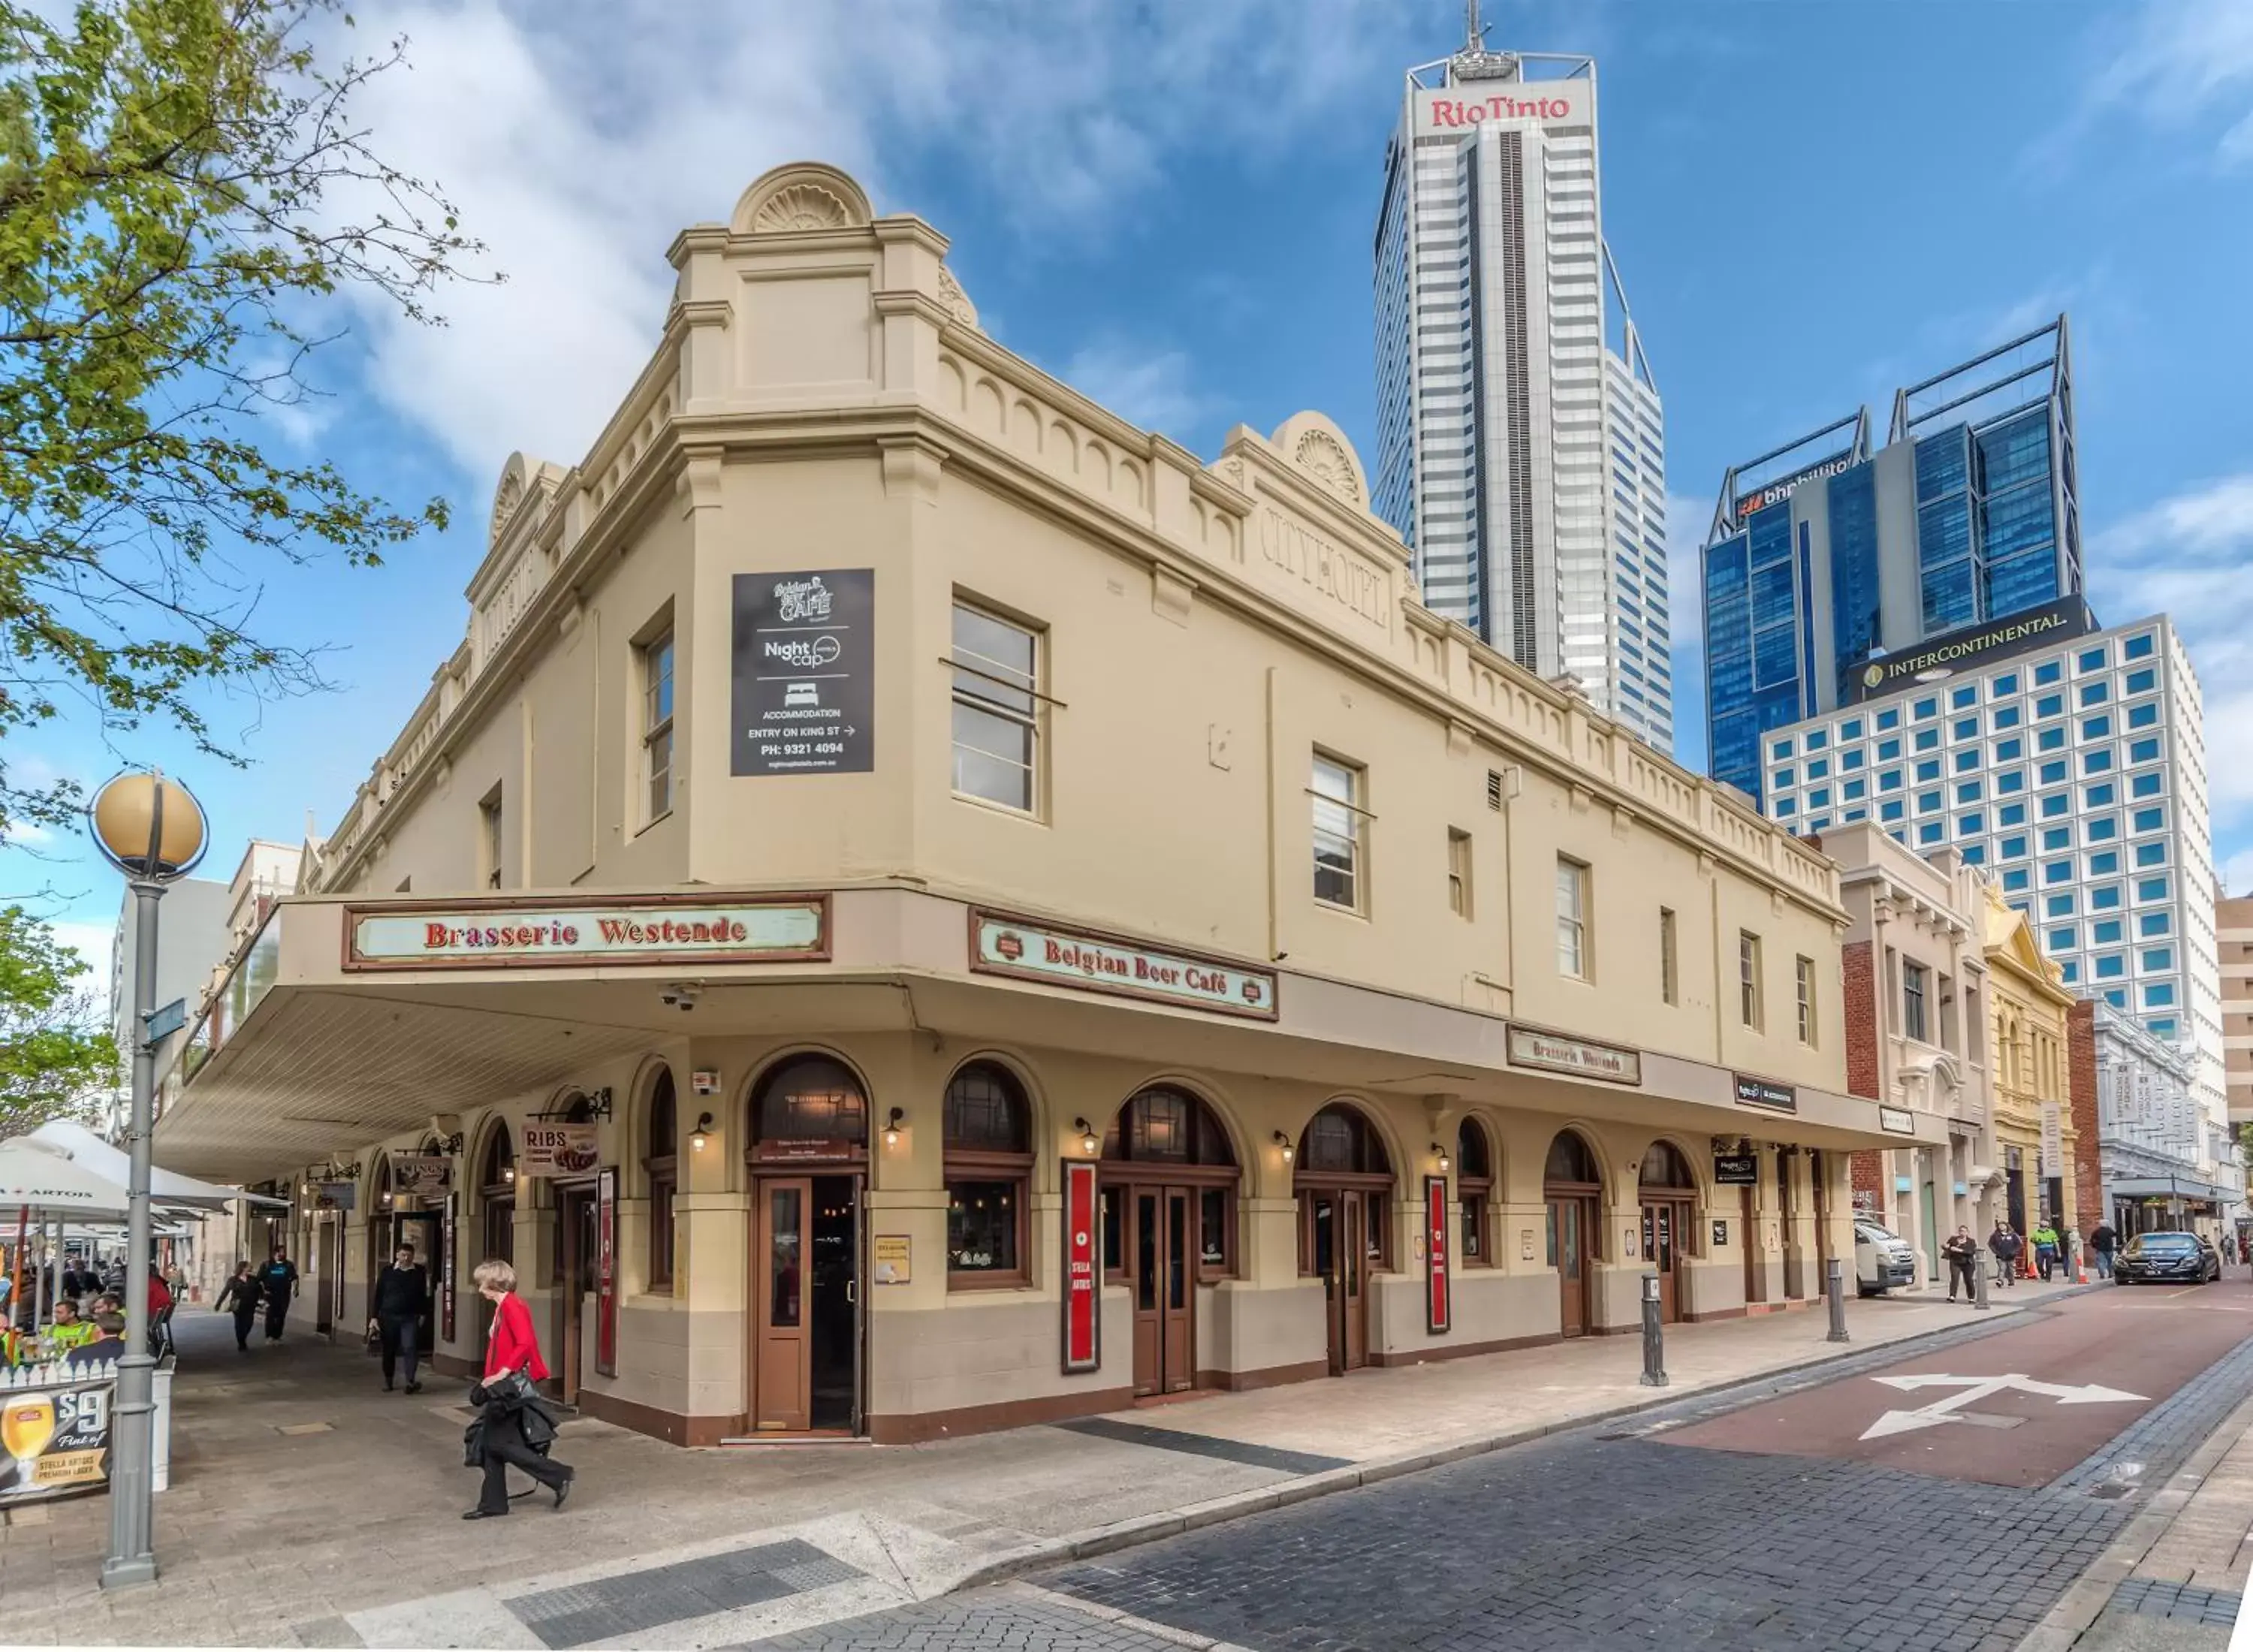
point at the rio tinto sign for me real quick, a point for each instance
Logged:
(497, 935)
(1456, 110)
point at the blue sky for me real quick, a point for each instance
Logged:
(1169, 205)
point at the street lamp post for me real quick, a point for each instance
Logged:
(150, 829)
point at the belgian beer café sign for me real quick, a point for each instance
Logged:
(479, 935)
(1003, 946)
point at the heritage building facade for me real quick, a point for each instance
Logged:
(916, 906)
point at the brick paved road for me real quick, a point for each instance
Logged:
(1595, 1541)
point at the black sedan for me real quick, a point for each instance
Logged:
(2157, 1258)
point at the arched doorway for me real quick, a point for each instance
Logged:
(1668, 1196)
(573, 1255)
(1344, 1181)
(401, 1217)
(1573, 1188)
(1168, 1179)
(808, 1160)
(496, 1217)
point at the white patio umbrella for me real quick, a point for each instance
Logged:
(115, 1164)
(39, 1176)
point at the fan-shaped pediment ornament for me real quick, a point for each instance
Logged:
(798, 198)
(508, 498)
(1320, 448)
(953, 300)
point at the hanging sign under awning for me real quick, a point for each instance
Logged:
(421, 1175)
(557, 1150)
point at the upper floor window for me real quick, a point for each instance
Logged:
(1914, 978)
(657, 726)
(997, 709)
(1338, 816)
(1669, 981)
(1458, 872)
(1572, 919)
(1805, 980)
(489, 840)
(1749, 978)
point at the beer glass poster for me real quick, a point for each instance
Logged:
(54, 1439)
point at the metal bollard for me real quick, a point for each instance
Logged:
(1654, 1349)
(1980, 1284)
(1834, 1286)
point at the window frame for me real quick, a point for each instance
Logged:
(1803, 990)
(1577, 876)
(492, 836)
(1002, 679)
(1355, 837)
(1752, 1003)
(1475, 1196)
(1010, 1168)
(1916, 991)
(1460, 894)
(662, 1172)
(655, 726)
(1670, 970)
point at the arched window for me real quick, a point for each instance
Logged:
(1474, 1188)
(809, 1107)
(662, 1164)
(1664, 1167)
(1167, 1135)
(1339, 1139)
(496, 1183)
(1571, 1164)
(1342, 1160)
(990, 1168)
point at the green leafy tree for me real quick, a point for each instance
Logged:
(183, 200)
(55, 1057)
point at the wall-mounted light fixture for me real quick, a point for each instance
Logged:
(1440, 1153)
(507, 1174)
(1283, 1145)
(1090, 1143)
(702, 1134)
(892, 1126)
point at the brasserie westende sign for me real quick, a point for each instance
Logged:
(521, 934)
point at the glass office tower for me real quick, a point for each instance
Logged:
(1520, 437)
(1825, 558)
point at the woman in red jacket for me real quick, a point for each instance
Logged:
(511, 1349)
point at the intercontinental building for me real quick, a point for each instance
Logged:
(918, 906)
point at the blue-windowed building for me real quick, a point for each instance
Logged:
(1828, 558)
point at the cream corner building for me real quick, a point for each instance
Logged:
(973, 913)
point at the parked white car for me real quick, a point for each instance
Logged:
(1882, 1258)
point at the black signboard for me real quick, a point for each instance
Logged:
(1736, 1169)
(1759, 1092)
(804, 695)
(1968, 648)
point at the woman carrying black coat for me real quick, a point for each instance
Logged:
(242, 1291)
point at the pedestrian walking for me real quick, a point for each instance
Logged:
(516, 1426)
(2046, 1243)
(2228, 1246)
(241, 1292)
(402, 1297)
(279, 1280)
(2103, 1241)
(1962, 1253)
(2006, 1245)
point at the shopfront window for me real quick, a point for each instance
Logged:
(1167, 1137)
(662, 1165)
(1475, 1189)
(989, 1166)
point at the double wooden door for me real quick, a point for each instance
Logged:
(1572, 1252)
(1161, 1241)
(1665, 1241)
(580, 1252)
(806, 1313)
(1340, 1222)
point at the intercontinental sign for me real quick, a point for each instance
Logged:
(1969, 648)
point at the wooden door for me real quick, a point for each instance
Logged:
(782, 1352)
(1755, 1255)
(1160, 1248)
(1662, 1238)
(576, 1222)
(1570, 1221)
(1353, 1301)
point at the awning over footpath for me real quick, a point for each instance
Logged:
(369, 1018)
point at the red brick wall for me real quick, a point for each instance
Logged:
(2080, 1090)
(1857, 975)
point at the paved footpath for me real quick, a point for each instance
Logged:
(308, 1507)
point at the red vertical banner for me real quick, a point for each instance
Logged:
(1436, 1254)
(445, 1266)
(1083, 1271)
(606, 1271)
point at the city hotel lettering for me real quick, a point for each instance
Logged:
(475, 935)
(1094, 963)
(1328, 570)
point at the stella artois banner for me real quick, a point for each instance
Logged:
(53, 1439)
(557, 1150)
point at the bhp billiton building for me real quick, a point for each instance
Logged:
(917, 906)
(1520, 443)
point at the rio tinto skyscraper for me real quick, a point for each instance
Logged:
(1520, 443)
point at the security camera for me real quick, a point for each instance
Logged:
(681, 995)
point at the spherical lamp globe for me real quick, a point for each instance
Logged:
(147, 825)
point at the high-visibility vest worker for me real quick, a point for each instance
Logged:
(67, 1334)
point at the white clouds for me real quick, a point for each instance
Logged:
(2235, 874)
(2186, 557)
(1150, 387)
(1688, 520)
(576, 141)
(2181, 62)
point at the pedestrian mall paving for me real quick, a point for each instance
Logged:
(307, 1507)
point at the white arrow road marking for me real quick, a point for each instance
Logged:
(1970, 1389)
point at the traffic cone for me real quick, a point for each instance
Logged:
(2080, 1269)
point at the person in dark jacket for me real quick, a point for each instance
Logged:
(2006, 1245)
(515, 1427)
(402, 1297)
(279, 1278)
(2103, 1241)
(241, 1293)
(1962, 1251)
